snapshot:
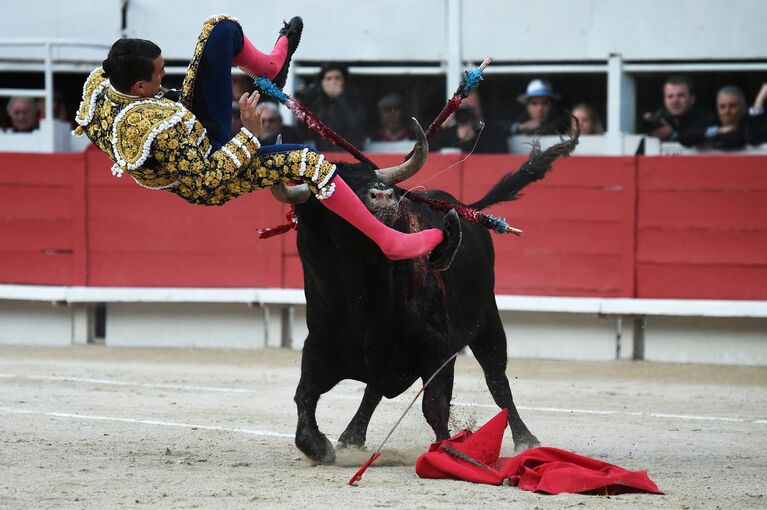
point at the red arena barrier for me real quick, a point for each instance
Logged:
(690, 227)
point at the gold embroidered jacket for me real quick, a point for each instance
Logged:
(163, 146)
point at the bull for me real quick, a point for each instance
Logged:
(386, 323)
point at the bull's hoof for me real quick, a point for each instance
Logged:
(320, 450)
(526, 442)
(350, 440)
(443, 254)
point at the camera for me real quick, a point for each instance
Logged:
(655, 121)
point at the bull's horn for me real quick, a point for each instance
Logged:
(396, 174)
(291, 194)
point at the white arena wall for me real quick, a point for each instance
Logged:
(685, 331)
(423, 31)
(619, 38)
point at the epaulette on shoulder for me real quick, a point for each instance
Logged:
(136, 127)
(95, 83)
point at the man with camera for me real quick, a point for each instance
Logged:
(679, 120)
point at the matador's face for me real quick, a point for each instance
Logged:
(151, 88)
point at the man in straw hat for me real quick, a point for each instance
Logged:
(542, 116)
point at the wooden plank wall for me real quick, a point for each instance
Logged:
(578, 225)
(42, 210)
(139, 237)
(653, 227)
(702, 227)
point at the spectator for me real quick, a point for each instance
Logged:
(730, 131)
(24, 115)
(272, 127)
(679, 119)
(588, 120)
(756, 121)
(393, 126)
(61, 111)
(236, 120)
(5, 119)
(338, 107)
(241, 84)
(469, 133)
(542, 115)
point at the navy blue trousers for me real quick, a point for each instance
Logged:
(212, 100)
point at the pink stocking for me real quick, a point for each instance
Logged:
(394, 244)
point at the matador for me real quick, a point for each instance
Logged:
(186, 147)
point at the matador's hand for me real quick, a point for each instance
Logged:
(250, 119)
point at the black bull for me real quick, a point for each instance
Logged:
(386, 323)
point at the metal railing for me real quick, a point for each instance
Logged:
(620, 92)
(46, 45)
(48, 132)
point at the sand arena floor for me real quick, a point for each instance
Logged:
(97, 427)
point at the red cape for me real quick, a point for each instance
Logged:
(547, 470)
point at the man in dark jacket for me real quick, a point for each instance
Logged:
(273, 128)
(731, 130)
(336, 106)
(470, 133)
(679, 120)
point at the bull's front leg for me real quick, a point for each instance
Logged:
(437, 397)
(313, 443)
(356, 432)
(316, 378)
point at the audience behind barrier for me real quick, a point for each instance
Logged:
(335, 103)
(587, 120)
(543, 115)
(23, 114)
(393, 123)
(468, 131)
(730, 124)
(756, 120)
(679, 119)
(730, 131)
(272, 126)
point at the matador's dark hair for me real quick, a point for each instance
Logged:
(129, 61)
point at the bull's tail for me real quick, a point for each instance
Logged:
(535, 168)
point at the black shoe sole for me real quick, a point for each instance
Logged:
(292, 30)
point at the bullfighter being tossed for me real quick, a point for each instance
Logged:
(187, 148)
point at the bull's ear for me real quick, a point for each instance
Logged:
(396, 174)
(291, 194)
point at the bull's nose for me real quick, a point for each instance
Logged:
(377, 194)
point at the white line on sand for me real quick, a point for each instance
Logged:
(187, 387)
(13, 410)
(113, 382)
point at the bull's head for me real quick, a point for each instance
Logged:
(380, 199)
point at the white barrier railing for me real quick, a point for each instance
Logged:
(282, 311)
(52, 136)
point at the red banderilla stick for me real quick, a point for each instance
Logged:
(358, 475)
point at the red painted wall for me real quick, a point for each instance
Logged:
(702, 227)
(670, 227)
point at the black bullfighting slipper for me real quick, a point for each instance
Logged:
(292, 30)
(443, 254)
